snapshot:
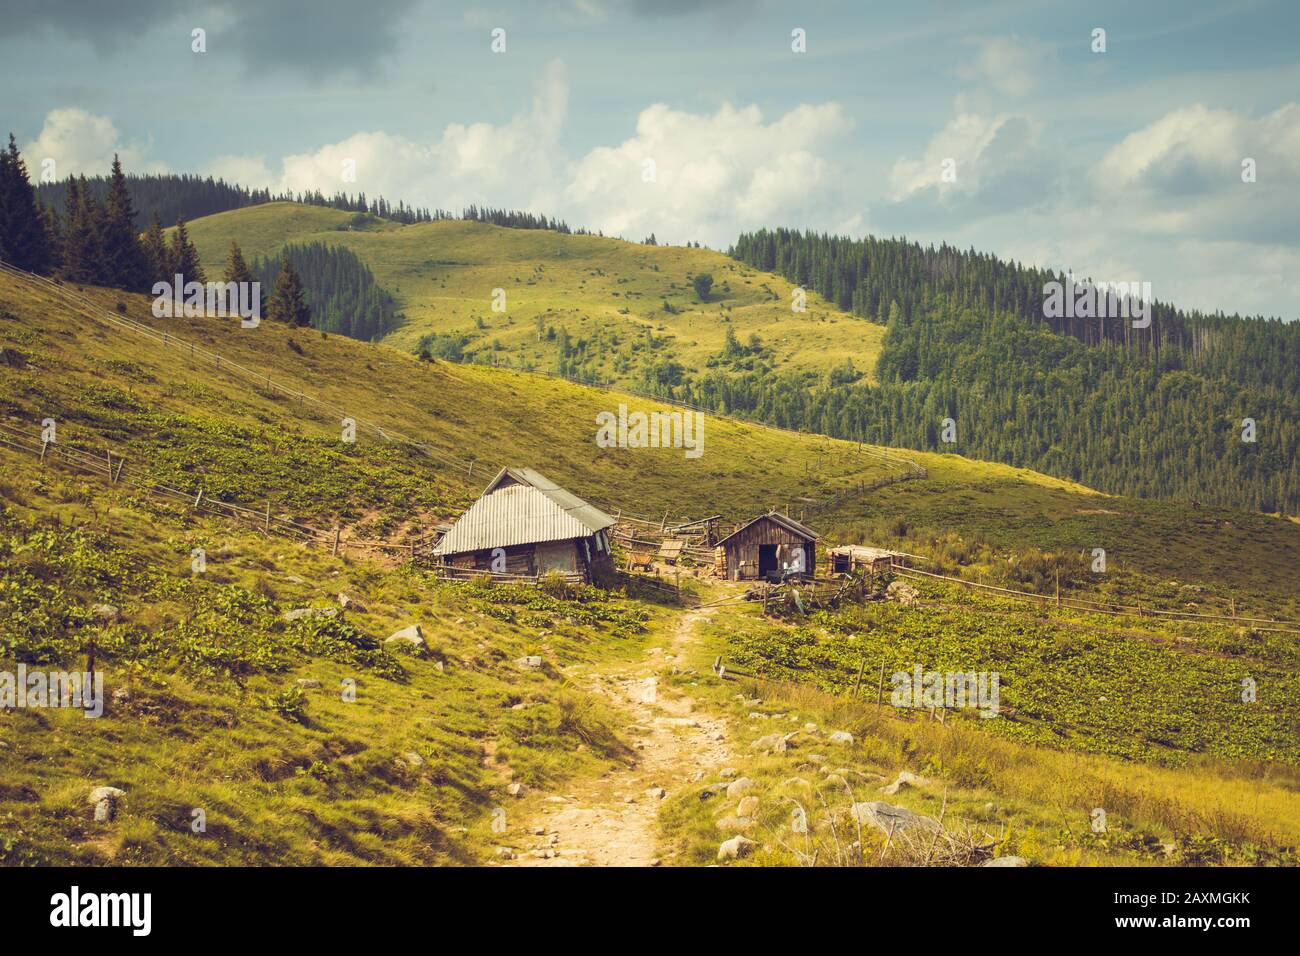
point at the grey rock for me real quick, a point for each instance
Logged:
(739, 787)
(530, 662)
(904, 780)
(747, 807)
(891, 818)
(412, 636)
(106, 613)
(842, 737)
(737, 848)
(1006, 861)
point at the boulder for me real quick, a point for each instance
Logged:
(656, 793)
(739, 787)
(737, 848)
(349, 603)
(308, 683)
(530, 662)
(902, 593)
(1006, 861)
(726, 773)
(891, 818)
(516, 789)
(412, 637)
(904, 780)
(748, 807)
(773, 743)
(104, 800)
(106, 613)
(842, 737)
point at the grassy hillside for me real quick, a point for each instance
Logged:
(206, 710)
(607, 293)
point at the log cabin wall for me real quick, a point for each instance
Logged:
(742, 549)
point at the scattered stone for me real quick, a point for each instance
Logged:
(739, 787)
(748, 807)
(413, 759)
(412, 636)
(842, 737)
(104, 800)
(299, 613)
(773, 743)
(891, 818)
(538, 831)
(308, 683)
(904, 780)
(505, 853)
(656, 793)
(737, 848)
(350, 603)
(727, 773)
(902, 593)
(1006, 861)
(809, 728)
(106, 613)
(530, 663)
(516, 789)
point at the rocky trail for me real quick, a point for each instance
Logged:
(612, 821)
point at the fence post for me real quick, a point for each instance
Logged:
(880, 686)
(267, 525)
(44, 444)
(198, 499)
(335, 550)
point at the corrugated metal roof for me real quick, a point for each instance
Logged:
(786, 522)
(530, 510)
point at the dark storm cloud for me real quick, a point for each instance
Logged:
(315, 38)
(104, 26)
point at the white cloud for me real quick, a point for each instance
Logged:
(713, 174)
(80, 143)
(1010, 64)
(1182, 175)
(990, 158)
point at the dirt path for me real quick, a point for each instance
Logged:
(612, 821)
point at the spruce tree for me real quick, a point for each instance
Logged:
(22, 228)
(183, 257)
(237, 271)
(156, 255)
(288, 304)
(124, 261)
(80, 244)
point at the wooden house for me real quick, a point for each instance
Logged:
(526, 525)
(771, 547)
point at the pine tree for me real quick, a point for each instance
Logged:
(22, 227)
(156, 255)
(183, 257)
(124, 261)
(288, 304)
(80, 241)
(237, 271)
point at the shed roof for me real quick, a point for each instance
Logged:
(785, 521)
(521, 506)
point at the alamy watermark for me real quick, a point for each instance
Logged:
(195, 300)
(71, 689)
(1098, 300)
(978, 690)
(683, 430)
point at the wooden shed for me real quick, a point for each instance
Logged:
(851, 558)
(769, 548)
(526, 525)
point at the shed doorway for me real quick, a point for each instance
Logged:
(768, 565)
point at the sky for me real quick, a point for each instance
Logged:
(1171, 156)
